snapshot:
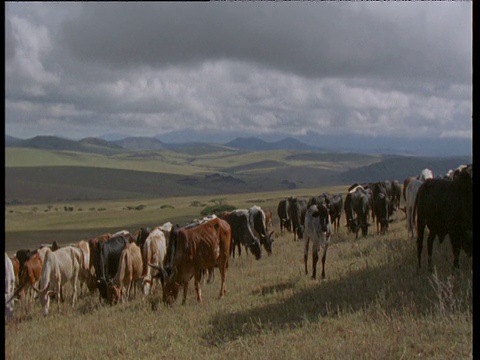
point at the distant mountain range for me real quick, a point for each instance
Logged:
(98, 145)
(114, 143)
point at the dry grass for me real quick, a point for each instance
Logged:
(373, 304)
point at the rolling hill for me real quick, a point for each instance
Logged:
(46, 168)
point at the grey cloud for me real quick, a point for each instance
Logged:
(308, 39)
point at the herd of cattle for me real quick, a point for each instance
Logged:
(168, 256)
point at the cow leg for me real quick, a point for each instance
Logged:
(74, 295)
(420, 234)
(185, 290)
(455, 241)
(305, 254)
(223, 274)
(314, 263)
(198, 277)
(431, 237)
(211, 275)
(324, 257)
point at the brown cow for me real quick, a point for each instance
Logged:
(200, 248)
(268, 219)
(30, 275)
(129, 272)
(16, 268)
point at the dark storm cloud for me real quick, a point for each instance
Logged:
(311, 39)
(144, 68)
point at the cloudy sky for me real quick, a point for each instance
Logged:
(143, 69)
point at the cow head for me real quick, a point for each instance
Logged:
(114, 293)
(103, 288)
(267, 241)
(300, 230)
(256, 249)
(171, 287)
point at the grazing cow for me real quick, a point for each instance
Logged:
(9, 287)
(242, 233)
(154, 251)
(283, 215)
(335, 209)
(317, 200)
(357, 206)
(94, 244)
(129, 271)
(268, 219)
(318, 228)
(411, 194)
(59, 267)
(381, 206)
(199, 248)
(106, 261)
(297, 209)
(30, 276)
(257, 220)
(23, 255)
(445, 207)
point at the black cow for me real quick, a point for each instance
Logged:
(324, 198)
(106, 259)
(242, 232)
(142, 236)
(381, 206)
(357, 206)
(396, 194)
(297, 210)
(283, 215)
(445, 207)
(335, 209)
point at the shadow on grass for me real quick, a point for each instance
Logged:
(392, 289)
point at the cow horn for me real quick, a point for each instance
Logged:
(40, 290)
(156, 267)
(174, 273)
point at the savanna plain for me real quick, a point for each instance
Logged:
(373, 304)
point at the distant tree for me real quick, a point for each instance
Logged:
(216, 209)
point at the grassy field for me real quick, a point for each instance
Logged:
(373, 304)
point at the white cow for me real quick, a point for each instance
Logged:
(425, 174)
(9, 287)
(59, 267)
(153, 252)
(410, 195)
(318, 229)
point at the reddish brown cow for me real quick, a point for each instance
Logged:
(29, 276)
(268, 219)
(200, 248)
(16, 268)
(93, 244)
